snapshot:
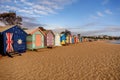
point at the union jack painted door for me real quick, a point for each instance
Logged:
(9, 42)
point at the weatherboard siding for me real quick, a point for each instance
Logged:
(57, 40)
(35, 41)
(17, 40)
(50, 39)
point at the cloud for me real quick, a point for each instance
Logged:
(113, 28)
(13, 8)
(105, 2)
(30, 24)
(91, 24)
(34, 8)
(2, 24)
(9, 7)
(95, 17)
(26, 11)
(28, 19)
(40, 12)
(15, 1)
(3, 1)
(52, 4)
(100, 14)
(38, 7)
(108, 11)
(109, 30)
(46, 6)
(27, 3)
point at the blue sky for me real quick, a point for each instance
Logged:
(88, 17)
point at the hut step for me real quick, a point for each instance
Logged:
(13, 54)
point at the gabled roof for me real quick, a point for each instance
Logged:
(33, 31)
(47, 31)
(42, 30)
(2, 29)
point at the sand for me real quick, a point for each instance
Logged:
(83, 61)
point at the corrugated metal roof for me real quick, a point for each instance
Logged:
(47, 31)
(31, 31)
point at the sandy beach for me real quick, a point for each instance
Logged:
(84, 61)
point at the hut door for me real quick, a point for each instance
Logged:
(50, 39)
(38, 41)
(9, 42)
(57, 39)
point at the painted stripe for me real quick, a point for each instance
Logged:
(29, 42)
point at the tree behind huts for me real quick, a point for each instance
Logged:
(10, 18)
(66, 32)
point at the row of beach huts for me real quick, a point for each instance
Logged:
(14, 39)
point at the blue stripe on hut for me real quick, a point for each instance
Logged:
(73, 40)
(63, 39)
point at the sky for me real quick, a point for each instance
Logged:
(87, 17)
